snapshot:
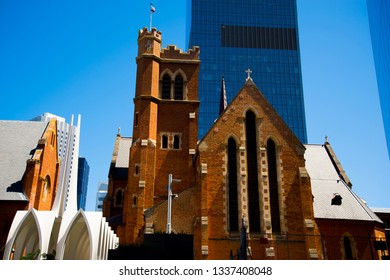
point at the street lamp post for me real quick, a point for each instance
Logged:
(170, 196)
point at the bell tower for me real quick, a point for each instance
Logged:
(147, 84)
(164, 130)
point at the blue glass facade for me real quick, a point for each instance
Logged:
(379, 19)
(82, 183)
(236, 35)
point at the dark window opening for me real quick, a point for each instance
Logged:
(179, 82)
(164, 142)
(347, 248)
(166, 87)
(136, 169)
(258, 37)
(52, 140)
(380, 245)
(273, 186)
(119, 198)
(253, 183)
(233, 196)
(46, 188)
(136, 119)
(336, 200)
(176, 142)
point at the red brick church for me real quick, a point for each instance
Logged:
(248, 174)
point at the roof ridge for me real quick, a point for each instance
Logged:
(340, 170)
(367, 209)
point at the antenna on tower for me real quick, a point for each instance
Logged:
(152, 10)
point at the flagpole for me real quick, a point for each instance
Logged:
(152, 10)
(151, 13)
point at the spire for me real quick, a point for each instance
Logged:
(223, 101)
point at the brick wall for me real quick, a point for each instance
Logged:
(362, 234)
(293, 195)
(183, 214)
(44, 167)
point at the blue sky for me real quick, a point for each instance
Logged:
(78, 57)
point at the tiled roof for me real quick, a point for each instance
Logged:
(18, 139)
(122, 159)
(326, 183)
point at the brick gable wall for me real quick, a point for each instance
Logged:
(294, 191)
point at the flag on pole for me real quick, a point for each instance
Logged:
(152, 8)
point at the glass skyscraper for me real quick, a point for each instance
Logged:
(236, 35)
(82, 183)
(379, 19)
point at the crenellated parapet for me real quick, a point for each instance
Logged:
(149, 42)
(172, 52)
(152, 33)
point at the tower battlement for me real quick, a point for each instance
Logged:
(144, 32)
(172, 52)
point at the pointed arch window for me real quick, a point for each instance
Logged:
(136, 171)
(347, 248)
(253, 181)
(273, 186)
(46, 188)
(119, 198)
(166, 87)
(179, 85)
(52, 139)
(232, 182)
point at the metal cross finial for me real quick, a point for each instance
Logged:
(249, 73)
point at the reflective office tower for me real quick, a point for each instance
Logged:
(237, 35)
(82, 183)
(379, 19)
(101, 194)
